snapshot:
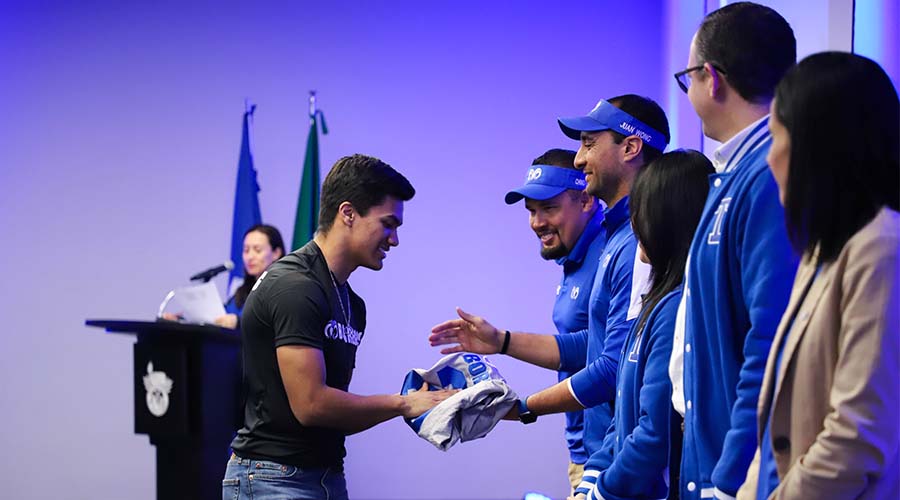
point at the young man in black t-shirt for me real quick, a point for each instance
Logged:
(301, 326)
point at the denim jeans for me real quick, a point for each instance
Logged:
(247, 479)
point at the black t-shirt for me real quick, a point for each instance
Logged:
(295, 303)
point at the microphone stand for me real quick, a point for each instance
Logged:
(165, 302)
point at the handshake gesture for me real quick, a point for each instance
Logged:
(469, 333)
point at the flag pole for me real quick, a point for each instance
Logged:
(246, 197)
(306, 221)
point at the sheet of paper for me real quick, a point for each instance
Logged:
(199, 303)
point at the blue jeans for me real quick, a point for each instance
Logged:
(247, 479)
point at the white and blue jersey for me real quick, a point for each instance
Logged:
(614, 304)
(570, 312)
(634, 460)
(737, 283)
(482, 401)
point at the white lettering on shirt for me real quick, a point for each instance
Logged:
(342, 332)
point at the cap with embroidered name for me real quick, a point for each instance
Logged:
(606, 116)
(546, 181)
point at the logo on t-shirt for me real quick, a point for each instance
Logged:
(158, 386)
(575, 292)
(342, 332)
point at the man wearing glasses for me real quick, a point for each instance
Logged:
(740, 268)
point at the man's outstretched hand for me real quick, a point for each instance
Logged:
(469, 333)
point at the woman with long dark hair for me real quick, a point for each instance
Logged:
(830, 401)
(666, 201)
(263, 245)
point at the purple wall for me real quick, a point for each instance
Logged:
(120, 141)
(877, 34)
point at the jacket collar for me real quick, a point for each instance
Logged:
(727, 156)
(793, 324)
(616, 216)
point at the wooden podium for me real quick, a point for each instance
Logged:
(187, 399)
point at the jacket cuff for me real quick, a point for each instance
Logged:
(572, 391)
(583, 388)
(721, 495)
(588, 480)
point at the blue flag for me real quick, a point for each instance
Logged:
(246, 201)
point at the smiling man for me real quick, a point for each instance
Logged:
(567, 220)
(301, 326)
(618, 137)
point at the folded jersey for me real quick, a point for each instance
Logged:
(483, 399)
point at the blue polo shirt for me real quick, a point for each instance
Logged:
(570, 312)
(614, 304)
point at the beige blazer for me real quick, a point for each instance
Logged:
(836, 407)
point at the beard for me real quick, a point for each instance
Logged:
(554, 252)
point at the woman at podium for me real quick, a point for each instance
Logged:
(263, 245)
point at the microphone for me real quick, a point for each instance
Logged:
(213, 271)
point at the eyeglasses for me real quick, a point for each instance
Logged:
(683, 77)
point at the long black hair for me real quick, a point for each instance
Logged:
(666, 202)
(843, 118)
(276, 242)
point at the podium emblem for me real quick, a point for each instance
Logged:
(158, 386)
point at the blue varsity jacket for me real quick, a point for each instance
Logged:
(634, 460)
(737, 285)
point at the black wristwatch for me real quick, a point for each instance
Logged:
(525, 415)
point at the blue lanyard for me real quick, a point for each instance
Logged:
(738, 152)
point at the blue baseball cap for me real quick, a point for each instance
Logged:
(546, 181)
(605, 116)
